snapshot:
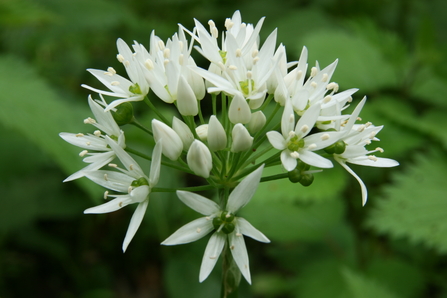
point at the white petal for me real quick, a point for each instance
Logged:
(186, 99)
(111, 180)
(379, 162)
(287, 119)
(277, 140)
(217, 138)
(362, 185)
(154, 175)
(247, 229)
(130, 164)
(239, 110)
(288, 162)
(110, 206)
(190, 232)
(89, 142)
(211, 255)
(198, 203)
(245, 190)
(135, 222)
(309, 118)
(101, 159)
(240, 255)
(314, 159)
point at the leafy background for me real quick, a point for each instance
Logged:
(324, 244)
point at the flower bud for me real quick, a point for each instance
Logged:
(239, 111)
(199, 159)
(186, 99)
(202, 132)
(183, 132)
(172, 144)
(123, 114)
(217, 138)
(257, 122)
(242, 140)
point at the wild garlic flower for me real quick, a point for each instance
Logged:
(95, 145)
(132, 181)
(228, 228)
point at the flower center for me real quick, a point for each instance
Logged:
(139, 182)
(225, 222)
(247, 86)
(295, 143)
(135, 89)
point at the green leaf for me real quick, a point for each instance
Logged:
(285, 220)
(415, 206)
(361, 63)
(30, 107)
(359, 286)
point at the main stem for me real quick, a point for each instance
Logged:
(231, 275)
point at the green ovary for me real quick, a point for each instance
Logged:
(226, 221)
(139, 182)
(135, 89)
(295, 144)
(245, 86)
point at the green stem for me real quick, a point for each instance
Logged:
(192, 188)
(231, 275)
(275, 177)
(135, 122)
(156, 111)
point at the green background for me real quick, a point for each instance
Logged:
(324, 244)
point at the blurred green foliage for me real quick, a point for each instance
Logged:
(324, 244)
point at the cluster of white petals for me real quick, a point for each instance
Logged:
(246, 83)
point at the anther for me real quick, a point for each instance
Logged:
(131, 167)
(126, 63)
(120, 58)
(295, 154)
(313, 71)
(254, 53)
(97, 133)
(88, 143)
(106, 178)
(165, 62)
(361, 128)
(304, 128)
(380, 149)
(255, 59)
(114, 83)
(129, 189)
(325, 77)
(208, 218)
(299, 74)
(368, 124)
(89, 121)
(238, 53)
(213, 257)
(232, 247)
(167, 53)
(120, 204)
(325, 137)
(232, 67)
(214, 32)
(161, 45)
(228, 24)
(149, 64)
(106, 194)
(372, 135)
(327, 99)
(372, 157)
(314, 84)
(198, 230)
(249, 74)
(238, 234)
(111, 70)
(312, 146)
(113, 165)
(78, 135)
(83, 153)
(180, 59)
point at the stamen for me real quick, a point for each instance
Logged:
(198, 230)
(255, 60)
(299, 74)
(88, 143)
(361, 128)
(106, 178)
(180, 59)
(129, 189)
(208, 218)
(238, 234)
(97, 133)
(228, 24)
(131, 167)
(325, 77)
(372, 157)
(113, 165)
(167, 53)
(325, 137)
(312, 146)
(83, 153)
(313, 71)
(372, 135)
(106, 194)
(79, 134)
(232, 247)
(161, 45)
(214, 32)
(380, 149)
(114, 83)
(120, 58)
(295, 154)
(111, 70)
(213, 257)
(304, 128)
(120, 204)
(327, 99)
(89, 121)
(249, 74)
(232, 67)
(254, 53)
(314, 84)
(149, 64)
(165, 62)
(238, 53)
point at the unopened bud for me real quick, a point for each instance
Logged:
(199, 159)
(217, 138)
(257, 122)
(172, 144)
(242, 140)
(183, 132)
(123, 114)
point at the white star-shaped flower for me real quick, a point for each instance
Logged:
(295, 142)
(95, 142)
(131, 181)
(228, 228)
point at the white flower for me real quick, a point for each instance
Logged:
(131, 181)
(355, 138)
(228, 227)
(242, 140)
(134, 89)
(173, 145)
(199, 159)
(96, 142)
(295, 142)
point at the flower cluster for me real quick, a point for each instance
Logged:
(250, 86)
